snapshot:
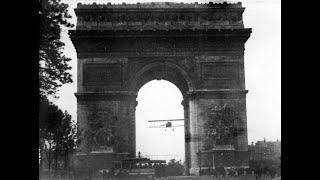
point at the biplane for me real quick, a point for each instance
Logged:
(168, 123)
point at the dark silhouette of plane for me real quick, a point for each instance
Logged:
(168, 123)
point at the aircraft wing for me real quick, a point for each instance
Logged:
(178, 126)
(166, 120)
(162, 126)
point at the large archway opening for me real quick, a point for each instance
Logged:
(160, 100)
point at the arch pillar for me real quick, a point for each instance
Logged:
(202, 148)
(112, 111)
(186, 110)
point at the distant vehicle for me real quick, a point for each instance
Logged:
(138, 168)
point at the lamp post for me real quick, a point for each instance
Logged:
(213, 160)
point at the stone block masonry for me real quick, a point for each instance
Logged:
(197, 47)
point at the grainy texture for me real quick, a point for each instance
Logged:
(198, 47)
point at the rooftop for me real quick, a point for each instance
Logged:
(160, 5)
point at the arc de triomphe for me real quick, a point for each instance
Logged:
(198, 47)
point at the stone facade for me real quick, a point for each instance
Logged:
(198, 47)
(265, 150)
(150, 16)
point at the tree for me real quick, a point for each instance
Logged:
(174, 168)
(53, 65)
(49, 118)
(65, 135)
(57, 134)
(265, 165)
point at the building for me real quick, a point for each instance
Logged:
(198, 47)
(265, 150)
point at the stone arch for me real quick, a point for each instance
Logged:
(162, 70)
(109, 51)
(175, 74)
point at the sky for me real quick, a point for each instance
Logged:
(263, 80)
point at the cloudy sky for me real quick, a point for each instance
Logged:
(161, 99)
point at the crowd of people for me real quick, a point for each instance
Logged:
(266, 173)
(147, 166)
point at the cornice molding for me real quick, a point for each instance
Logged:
(218, 94)
(159, 15)
(154, 54)
(109, 96)
(161, 5)
(226, 33)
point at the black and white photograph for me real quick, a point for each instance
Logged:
(159, 90)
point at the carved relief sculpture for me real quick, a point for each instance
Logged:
(222, 126)
(101, 133)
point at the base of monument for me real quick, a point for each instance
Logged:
(194, 171)
(224, 158)
(97, 160)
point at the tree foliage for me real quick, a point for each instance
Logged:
(174, 168)
(57, 133)
(53, 65)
